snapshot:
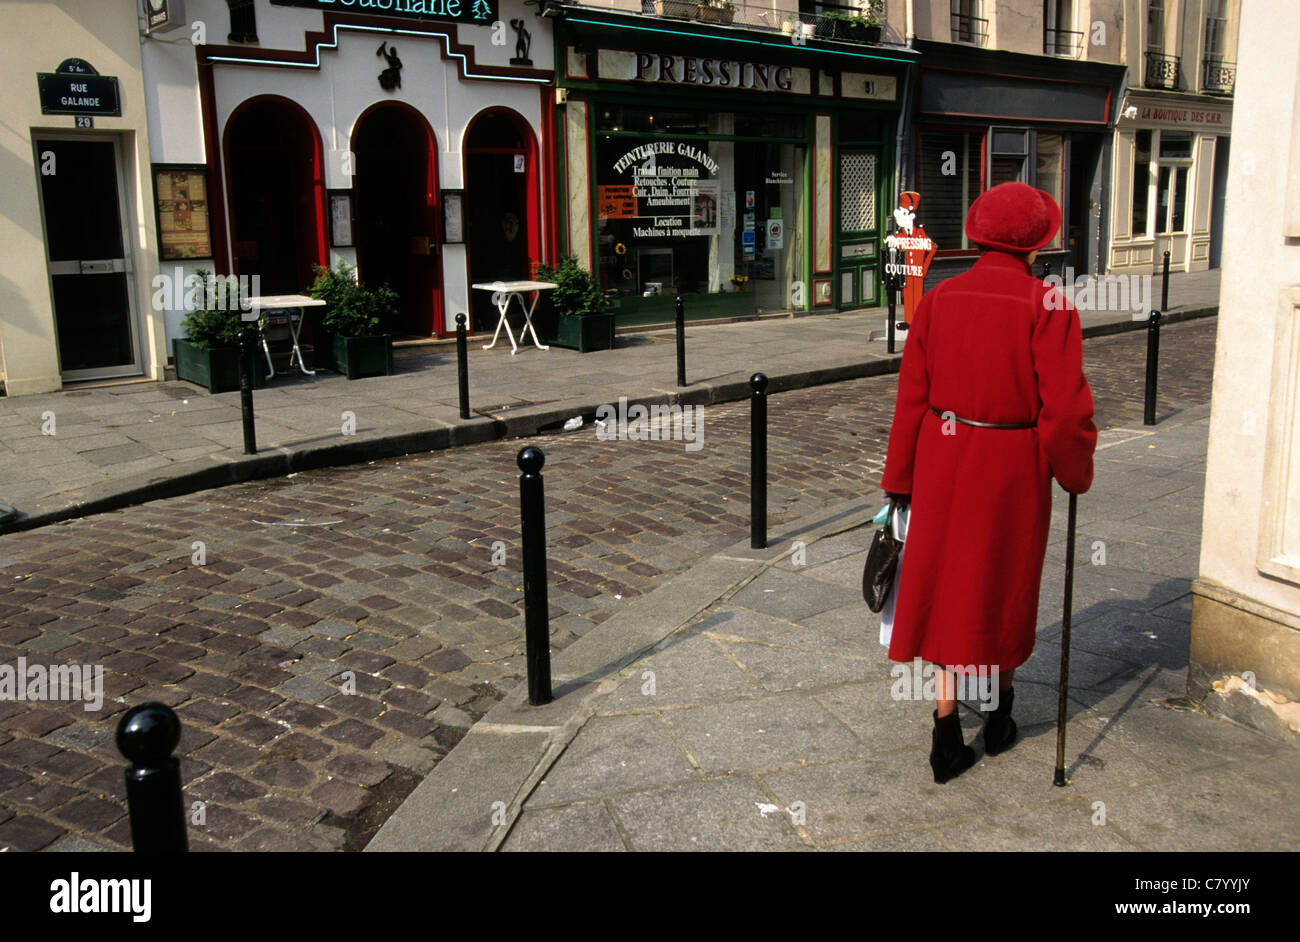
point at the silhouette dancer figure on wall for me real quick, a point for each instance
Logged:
(523, 42)
(391, 77)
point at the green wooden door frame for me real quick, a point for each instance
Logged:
(858, 250)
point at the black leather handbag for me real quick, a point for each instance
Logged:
(882, 561)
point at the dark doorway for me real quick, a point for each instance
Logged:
(501, 206)
(397, 191)
(1083, 209)
(1217, 194)
(276, 195)
(86, 255)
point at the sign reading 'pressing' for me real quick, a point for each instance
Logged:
(621, 65)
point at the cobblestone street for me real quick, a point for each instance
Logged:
(346, 626)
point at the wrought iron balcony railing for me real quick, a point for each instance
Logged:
(1218, 76)
(831, 21)
(970, 29)
(1061, 42)
(1162, 71)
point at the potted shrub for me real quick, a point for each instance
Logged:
(831, 25)
(352, 316)
(582, 323)
(209, 352)
(868, 23)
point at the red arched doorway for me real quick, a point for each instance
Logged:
(396, 184)
(501, 204)
(277, 207)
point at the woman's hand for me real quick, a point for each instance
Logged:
(899, 500)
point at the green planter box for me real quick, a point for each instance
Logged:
(586, 332)
(356, 357)
(861, 33)
(217, 368)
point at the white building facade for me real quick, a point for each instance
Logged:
(1173, 133)
(77, 227)
(383, 133)
(1245, 645)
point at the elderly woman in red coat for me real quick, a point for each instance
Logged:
(992, 405)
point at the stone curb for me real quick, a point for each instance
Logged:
(1172, 317)
(205, 473)
(202, 474)
(489, 775)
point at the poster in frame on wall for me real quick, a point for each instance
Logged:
(343, 217)
(453, 216)
(181, 211)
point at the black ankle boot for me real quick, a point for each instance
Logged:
(949, 756)
(1000, 730)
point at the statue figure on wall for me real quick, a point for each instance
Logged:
(243, 21)
(523, 42)
(391, 77)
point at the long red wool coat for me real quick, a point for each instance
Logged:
(995, 345)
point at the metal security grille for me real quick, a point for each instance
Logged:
(857, 192)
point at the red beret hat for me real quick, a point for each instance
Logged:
(1013, 217)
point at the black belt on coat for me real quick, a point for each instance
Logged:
(960, 421)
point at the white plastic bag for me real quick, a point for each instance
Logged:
(900, 523)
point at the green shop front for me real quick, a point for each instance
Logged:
(731, 166)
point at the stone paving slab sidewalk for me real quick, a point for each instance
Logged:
(119, 445)
(747, 705)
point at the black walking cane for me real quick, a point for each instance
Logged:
(1065, 645)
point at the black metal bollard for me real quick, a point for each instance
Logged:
(758, 462)
(146, 736)
(890, 283)
(1164, 285)
(681, 341)
(1153, 358)
(532, 512)
(247, 350)
(462, 365)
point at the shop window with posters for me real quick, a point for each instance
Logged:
(1049, 172)
(707, 205)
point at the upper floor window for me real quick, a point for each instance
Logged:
(1162, 71)
(1216, 29)
(967, 24)
(1156, 26)
(1218, 73)
(1059, 36)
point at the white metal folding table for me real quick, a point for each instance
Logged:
(502, 292)
(289, 303)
